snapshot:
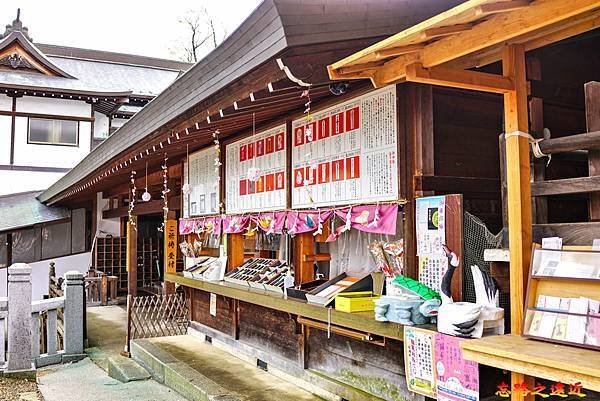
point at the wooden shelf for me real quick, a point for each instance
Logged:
(361, 321)
(562, 363)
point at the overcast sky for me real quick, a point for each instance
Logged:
(149, 28)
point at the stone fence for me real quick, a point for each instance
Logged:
(20, 318)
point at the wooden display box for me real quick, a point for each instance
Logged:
(362, 301)
(563, 297)
(299, 292)
(363, 283)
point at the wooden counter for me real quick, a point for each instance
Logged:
(561, 363)
(362, 321)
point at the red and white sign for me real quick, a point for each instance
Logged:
(265, 151)
(347, 153)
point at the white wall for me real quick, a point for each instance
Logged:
(118, 122)
(101, 123)
(13, 181)
(40, 271)
(5, 128)
(40, 155)
(5, 103)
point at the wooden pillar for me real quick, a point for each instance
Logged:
(422, 131)
(518, 187)
(132, 256)
(592, 118)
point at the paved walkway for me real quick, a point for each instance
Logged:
(84, 381)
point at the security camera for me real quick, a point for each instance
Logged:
(338, 88)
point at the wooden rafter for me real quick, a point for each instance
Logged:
(397, 51)
(472, 80)
(431, 33)
(501, 7)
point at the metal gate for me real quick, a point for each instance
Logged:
(156, 316)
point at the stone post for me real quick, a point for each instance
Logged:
(73, 314)
(19, 318)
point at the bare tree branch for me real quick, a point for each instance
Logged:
(200, 27)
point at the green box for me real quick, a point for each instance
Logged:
(360, 301)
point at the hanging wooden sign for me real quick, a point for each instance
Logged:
(265, 151)
(203, 198)
(170, 246)
(347, 153)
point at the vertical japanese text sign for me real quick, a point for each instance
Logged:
(170, 246)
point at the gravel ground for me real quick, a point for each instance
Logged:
(19, 390)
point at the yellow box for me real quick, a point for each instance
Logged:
(360, 301)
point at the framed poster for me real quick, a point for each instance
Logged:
(430, 219)
(267, 152)
(456, 378)
(419, 357)
(203, 198)
(347, 153)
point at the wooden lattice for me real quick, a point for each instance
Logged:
(157, 316)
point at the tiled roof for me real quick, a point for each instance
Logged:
(24, 210)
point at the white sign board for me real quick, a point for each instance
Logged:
(350, 154)
(203, 198)
(266, 151)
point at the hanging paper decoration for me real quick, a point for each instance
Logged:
(186, 188)
(217, 163)
(132, 201)
(303, 222)
(271, 222)
(164, 193)
(235, 224)
(254, 172)
(379, 219)
(186, 226)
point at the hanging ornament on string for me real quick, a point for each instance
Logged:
(164, 193)
(253, 172)
(186, 189)
(146, 195)
(132, 201)
(217, 162)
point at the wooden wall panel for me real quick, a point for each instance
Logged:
(200, 311)
(269, 330)
(368, 367)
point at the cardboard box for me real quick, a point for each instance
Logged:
(361, 301)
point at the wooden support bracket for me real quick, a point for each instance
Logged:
(398, 51)
(500, 7)
(319, 257)
(462, 79)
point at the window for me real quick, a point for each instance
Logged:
(53, 132)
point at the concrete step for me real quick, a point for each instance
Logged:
(126, 370)
(177, 375)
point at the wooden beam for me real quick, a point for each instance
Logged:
(304, 249)
(566, 186)
(501, 28)
(360, 67)
(457, 184)
(592, 118)
(397, 51)
(571, 233)
(519, 190)
(590, 140)
(472, 80)
(501, 7)
(431, 33)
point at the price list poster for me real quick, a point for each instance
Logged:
(204, 195)
(267, 152)
(347, 153)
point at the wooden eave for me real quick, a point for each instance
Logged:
(468, 35)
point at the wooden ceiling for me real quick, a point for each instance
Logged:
(468, 35)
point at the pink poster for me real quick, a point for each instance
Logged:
(456, 378)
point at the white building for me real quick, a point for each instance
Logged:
(57, 103)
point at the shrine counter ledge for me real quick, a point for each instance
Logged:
(362, 321)
(561, 363)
